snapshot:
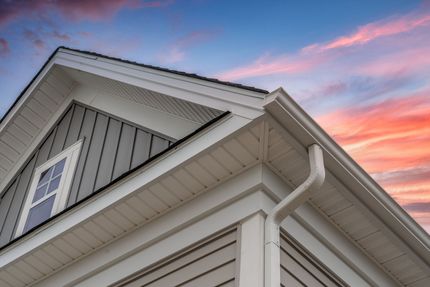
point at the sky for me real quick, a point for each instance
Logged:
(360, 68)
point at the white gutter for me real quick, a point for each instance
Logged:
(301, 194)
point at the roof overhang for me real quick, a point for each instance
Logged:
(183, 102)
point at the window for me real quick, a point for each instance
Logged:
(49, 189)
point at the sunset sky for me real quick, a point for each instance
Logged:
(360, 68)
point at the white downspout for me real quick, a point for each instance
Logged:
(272, 276)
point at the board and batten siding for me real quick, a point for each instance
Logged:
(110, 148)
(209, 264)
(298, 268)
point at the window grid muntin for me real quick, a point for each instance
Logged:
(48, 182)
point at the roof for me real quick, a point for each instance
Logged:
(181, 73)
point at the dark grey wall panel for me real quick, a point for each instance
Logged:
(86, 134)
(298, 268)
(110, 148)
(61, 133)
(158, 145)
(142, 144)
(125, 150)
(107, 161)
(17, 202)
(93, 158)
(75, 125)
(5, 203)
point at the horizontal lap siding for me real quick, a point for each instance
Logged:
(110, 148)
(212, 263)
(300, 269)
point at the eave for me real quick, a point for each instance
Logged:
(369, 211)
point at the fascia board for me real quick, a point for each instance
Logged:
(134, 182)
(292, 118)
(217, 97)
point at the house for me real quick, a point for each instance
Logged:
(114, 173)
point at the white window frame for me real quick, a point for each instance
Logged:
(71, 154)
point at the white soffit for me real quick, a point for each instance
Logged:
(194, 112)
(25, 124)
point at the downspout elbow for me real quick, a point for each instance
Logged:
(284, 208)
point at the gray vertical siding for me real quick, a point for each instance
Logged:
(212, 263)
(300, 269)
(110, 148)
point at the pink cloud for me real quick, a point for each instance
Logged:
(4, 47)
(34, 38)
(176, 51)
(390, 140)
(411, 59)
(94, 10)
(77, 10)
(374, 31)
(268, 65)
(60, 36)
(314, 56)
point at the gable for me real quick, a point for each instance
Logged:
(111, 147)
(171, 103)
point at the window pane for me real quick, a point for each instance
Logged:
(39, 213)
(59, 167)
(40, 192)
(44, 176)
(54, 184)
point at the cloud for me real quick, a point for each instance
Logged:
(374, 134)
(316, 55)
(271, 65)
(35, 39)
(418, 207)
(4, 47)
(373, 31)
(390, 140)
(177, 50)
(77, 10)
(60, 36)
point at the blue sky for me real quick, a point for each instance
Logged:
(361, 68)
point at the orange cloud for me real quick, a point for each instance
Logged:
(391, 141)
(375, 134)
